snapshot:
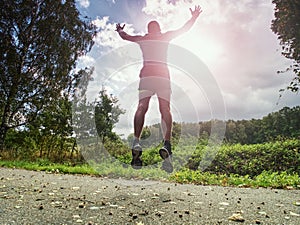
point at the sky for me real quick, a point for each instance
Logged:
(236, 53)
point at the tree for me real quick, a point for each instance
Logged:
(107, 114)
(287, 26)
(40, 42)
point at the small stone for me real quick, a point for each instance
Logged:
(75, 188)
(144, 213)
(237, 217)
(41, 207)
(191, 194)
(224, 203)
(166, 200)
(81, 205)
(294, 214)
(262, 213)
(159, 213)
(199, 203)
(279, 205)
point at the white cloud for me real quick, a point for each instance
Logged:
(84, 3)
(107, 37)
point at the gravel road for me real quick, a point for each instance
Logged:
(29, 197)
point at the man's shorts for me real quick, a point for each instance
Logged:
(152, 85)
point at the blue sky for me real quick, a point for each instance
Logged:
(232, 38)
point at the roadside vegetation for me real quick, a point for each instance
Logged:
(273, 164)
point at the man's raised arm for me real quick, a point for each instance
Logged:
(195, 14)
(126, 36)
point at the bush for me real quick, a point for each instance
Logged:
(252, 160)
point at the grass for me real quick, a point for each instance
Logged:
(266, 179)
(116, 169)
(44, 165)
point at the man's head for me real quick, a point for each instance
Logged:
(153, 27)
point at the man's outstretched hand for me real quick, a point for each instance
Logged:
(196, 12)
(119, 27)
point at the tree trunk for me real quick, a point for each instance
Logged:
(3, 132)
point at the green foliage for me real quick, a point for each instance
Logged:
(46, 165)
(40, 42)
(286, 26)
(107, 114)
(117, 148)
(252, 160)
(276, 179)
(117, 169)
(284, 124)
(265, 179)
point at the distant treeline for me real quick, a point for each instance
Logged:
(283, 124)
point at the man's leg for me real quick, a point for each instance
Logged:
(139, 118)
(166, 123)
(166, 118)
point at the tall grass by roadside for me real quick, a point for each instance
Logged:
(274, 164)
(117, 170)
(265, 179)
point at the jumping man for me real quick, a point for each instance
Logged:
(155, 79)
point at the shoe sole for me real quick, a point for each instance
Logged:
(136, 162)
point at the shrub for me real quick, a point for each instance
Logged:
(253, 159)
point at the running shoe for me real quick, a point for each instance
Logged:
(136, 161)
(166, 154)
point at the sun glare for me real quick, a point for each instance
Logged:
(204, 47)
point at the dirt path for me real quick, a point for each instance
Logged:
(28, 197)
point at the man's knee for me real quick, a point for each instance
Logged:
(165, 111)
(143, 108)
(164, 107)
